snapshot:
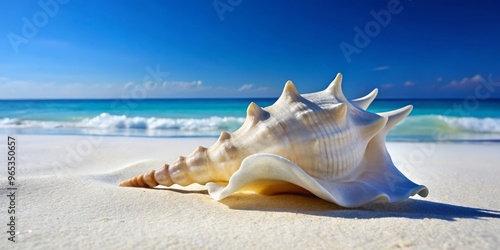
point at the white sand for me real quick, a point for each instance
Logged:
(66, 201)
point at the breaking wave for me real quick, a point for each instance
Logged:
(419, 128)
(107, 121)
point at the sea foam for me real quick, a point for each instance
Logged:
(108, 121)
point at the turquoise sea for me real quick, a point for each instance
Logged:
(431, 120)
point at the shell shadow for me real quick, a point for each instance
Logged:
(307, 204)
(180, 190)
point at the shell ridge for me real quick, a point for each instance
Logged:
(320, 133)
(182, 175)
(208, 167)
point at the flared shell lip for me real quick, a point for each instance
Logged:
(283, 169)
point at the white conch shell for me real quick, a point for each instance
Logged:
(318, 142)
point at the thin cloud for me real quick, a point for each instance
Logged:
(52, 43)
(16, 89)
(409, 83)
(387, 85)
(245, 87)
(439, 79)
(34, 90)
(128, 85)
(465, 82)
(381, 68)
(183, 85)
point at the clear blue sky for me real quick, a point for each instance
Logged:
(99, 49)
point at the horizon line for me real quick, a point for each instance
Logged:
(221, 98)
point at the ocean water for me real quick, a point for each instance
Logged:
(430, 120)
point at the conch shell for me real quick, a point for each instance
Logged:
(319, 143)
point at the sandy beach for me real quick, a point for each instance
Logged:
(348, 104)
(68, 198)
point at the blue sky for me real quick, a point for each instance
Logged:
(244, 48)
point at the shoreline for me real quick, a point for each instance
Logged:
(4, 131)
(74, 200)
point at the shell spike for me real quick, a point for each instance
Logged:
(224, 136)
(335, 88)
(395, 116)
(254, 110)
(365, 101)
(200, 149)
(289, 92)
(339, 111)
(374, 126)
(255, 114)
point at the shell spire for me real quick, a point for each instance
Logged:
(149, 179)
(184, 171)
